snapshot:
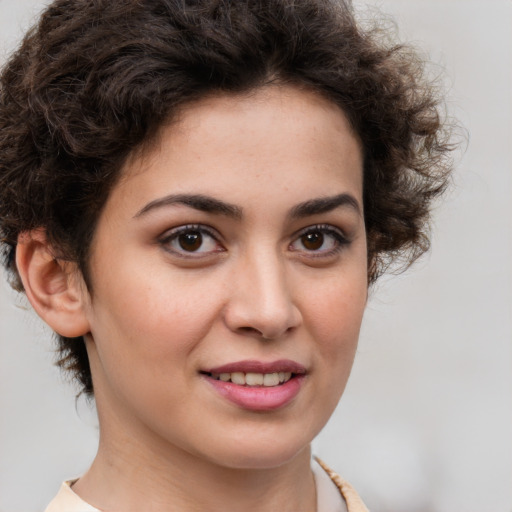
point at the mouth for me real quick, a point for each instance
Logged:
(257, 386)
(252, 379)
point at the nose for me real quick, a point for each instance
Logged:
(261, 300)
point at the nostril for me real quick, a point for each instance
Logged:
(263, 334)
(250, 330)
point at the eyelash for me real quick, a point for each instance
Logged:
(170, 238)
(339, 240)
(173, 235)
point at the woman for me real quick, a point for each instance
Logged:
(195, 197)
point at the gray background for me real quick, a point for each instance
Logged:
(426, 421)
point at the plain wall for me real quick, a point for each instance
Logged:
(426, 421)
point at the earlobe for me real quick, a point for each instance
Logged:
(52, 287)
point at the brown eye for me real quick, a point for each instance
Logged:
(190, 241)
(312, 241)
(320, 240)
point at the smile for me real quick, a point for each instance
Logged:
(257, 386)
(254, 379)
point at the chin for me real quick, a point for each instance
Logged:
(255, 452)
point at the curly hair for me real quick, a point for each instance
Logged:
(96, 79)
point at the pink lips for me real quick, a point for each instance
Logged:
(258, 398)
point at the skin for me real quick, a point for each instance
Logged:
(261, 284)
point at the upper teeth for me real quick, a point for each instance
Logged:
(254, 379)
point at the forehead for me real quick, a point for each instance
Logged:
(252, 112)
(282, 138)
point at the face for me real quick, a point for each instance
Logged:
(229, 280)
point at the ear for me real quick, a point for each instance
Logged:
(54, 287)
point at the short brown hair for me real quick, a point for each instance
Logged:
(96, 79)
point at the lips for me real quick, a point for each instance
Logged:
(252, 366)
(256, 385)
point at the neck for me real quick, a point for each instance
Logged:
(131, 477)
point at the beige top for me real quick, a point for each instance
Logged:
(333, 494)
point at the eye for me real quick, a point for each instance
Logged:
(191, 241)
(319, 240)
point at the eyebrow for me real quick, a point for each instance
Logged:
(324, 205)
(211, 205)
(197, 201)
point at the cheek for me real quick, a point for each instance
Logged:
(334, 320)
(337, 308)
(145, 329)
(156, 310)
(143, 344)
